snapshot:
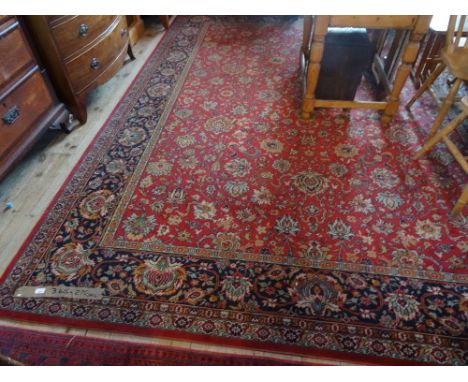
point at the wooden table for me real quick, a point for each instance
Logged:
(315, 29)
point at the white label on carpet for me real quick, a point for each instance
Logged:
(60, 292)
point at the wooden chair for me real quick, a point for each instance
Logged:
(455, 58)
(429, 52)
(442, 135)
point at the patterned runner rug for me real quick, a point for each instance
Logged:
(35, 348)
(207, 210)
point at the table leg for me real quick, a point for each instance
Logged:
(306, 35)
(409, 55)
(305, 48)
(313, 68)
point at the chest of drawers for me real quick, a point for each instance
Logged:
(80, 52)
(28, 105)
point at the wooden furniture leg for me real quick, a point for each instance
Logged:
(443, 135)
(444, 108)
(409, 56)
(430, 80)
(79, 109)
(164, 21)
(434, 56)
(305, 48)
(313, 69)
(130, 52)
(432, 141)
(423, 58)
(136, 28)
(393, 55)
(461, 202)
(306, 35)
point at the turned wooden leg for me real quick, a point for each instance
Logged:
(164, 21)
(461, 202)
(305, 48)
(313, 69)
(409, 56)
(439, 69)
(444, 108)
(306, 34)
(431, 142)
(130, 52)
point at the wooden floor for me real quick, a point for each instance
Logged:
(32, 185)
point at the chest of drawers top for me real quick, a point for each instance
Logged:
(81, 53)
(74, 35)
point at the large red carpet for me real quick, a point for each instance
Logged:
(207, 210)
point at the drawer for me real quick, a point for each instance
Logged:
(77, 32)
(21, 108)
(84, 69)
(15, 53)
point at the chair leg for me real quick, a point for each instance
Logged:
(432, 141)
(430, 80)
(461, 202)
(164, 21)
(444, 108)
(130, 52)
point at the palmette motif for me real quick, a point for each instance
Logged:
(207, 206)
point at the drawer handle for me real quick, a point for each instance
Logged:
(94, 63)
(123, 32)
(11, 115)
(83, 30)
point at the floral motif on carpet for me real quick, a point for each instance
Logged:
(206, 207)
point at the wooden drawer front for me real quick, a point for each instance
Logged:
(15, 53)
(80, 31)
(88, 66)
(20, 109)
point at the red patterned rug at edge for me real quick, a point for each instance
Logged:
(47, 349)
(209, 211)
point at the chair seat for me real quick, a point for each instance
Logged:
(456, 61)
